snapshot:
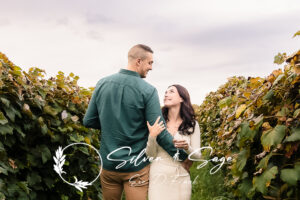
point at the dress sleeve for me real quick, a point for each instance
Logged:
(151, 149)
(195, 145)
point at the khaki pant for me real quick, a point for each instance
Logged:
(135, 184)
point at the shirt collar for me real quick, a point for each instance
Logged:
(129, 72)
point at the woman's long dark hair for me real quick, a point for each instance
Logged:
(187, 112)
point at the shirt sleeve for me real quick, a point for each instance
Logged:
(164, 139)
(91, 117)
(195, 144)
(151, 149)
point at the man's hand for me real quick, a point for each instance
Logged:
(187, 164)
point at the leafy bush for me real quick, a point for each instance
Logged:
(38, 115)
(254, 120)
(206, 186)
(257, 122)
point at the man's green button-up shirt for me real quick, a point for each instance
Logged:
(120, 106)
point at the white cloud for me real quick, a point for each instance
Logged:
(198, 44)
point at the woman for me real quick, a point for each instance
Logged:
(168, 178)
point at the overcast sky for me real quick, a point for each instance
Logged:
(197, 44)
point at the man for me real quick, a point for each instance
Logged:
(120, 107)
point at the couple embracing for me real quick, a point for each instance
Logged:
(144, 148)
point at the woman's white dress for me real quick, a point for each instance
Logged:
(168, 180)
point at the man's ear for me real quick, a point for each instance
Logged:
(138, 61)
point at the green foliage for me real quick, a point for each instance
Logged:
(261, 182)
(291, 176)
(273, 137)
(256, 121)
(38, 115)
(295, 135)
(207, 186)
(279, 58)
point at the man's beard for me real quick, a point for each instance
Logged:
(144, 74)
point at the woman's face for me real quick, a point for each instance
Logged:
(172, 97)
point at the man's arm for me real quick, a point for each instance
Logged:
(91, 117)
(164, 139)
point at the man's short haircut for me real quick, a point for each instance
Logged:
(139, 51)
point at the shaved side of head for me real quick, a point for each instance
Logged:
(139, 51)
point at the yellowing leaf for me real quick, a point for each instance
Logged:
(247, 94)
(296, 34)
(3, 119)
(271, 78)
(230, 117)
(87, 140)
(266, 126)
(240, 109)
(255, 82)
(277, 72)
(296, 113)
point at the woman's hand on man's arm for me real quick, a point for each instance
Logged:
(156, 128)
